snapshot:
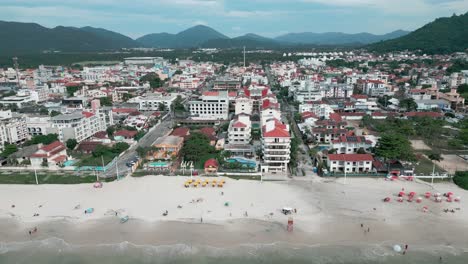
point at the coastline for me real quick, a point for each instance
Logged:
(329, 215)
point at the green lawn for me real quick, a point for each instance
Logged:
(46, 178)
(425, 166)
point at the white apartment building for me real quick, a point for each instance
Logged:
(239, 131)
(351, 144)
(320, 109)
(213, 105)
(276, 145)
(375, 88)
(150, 102)
(350, 163)
(243, 105)
(12, 128)
(39, 125)
(79, 125)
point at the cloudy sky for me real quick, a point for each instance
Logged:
(233, 17)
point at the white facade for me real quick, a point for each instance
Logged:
(79, 125)
(12, 129)
(39, 125)
(151, 102)
(276, 145)
(211, 106)
(319, 109)
(244, 105)
(350, 163)
(239, 131)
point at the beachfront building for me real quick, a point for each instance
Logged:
(50, 155)
(152, 102)
(13, 129)
(240, 130)
(351, 144)
(168, 147)
(243, 105)
(79, 125)
(350, 163)
(275, 146)
(213, 105)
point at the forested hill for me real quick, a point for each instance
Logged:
(443, 35)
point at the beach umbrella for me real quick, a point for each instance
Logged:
(397, 248)
(419, 200)
(425, 209)
(437, 195)
(457, 199)
(412, 194)
(449, 194)
(428, 194)
(400, 199)
(401, 194)
(449, 199)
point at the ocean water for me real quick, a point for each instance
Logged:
(54, 250)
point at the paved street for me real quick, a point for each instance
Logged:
(157, 131)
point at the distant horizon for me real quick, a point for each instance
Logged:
(268, 18)
(162, 32)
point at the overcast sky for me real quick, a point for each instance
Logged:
(233, 17)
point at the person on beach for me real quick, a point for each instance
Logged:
(368, 229)
(362, 225)
(201, 219)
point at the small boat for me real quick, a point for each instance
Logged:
(124, 219)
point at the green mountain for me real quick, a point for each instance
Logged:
(443, 35)
(337, 38)
(192, 37)
(251, 41)
(117, 39)
(23, 38)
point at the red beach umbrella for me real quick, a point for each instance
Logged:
(428, 195)
(401, 194)
(412, 194)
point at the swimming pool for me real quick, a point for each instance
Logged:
(158, 164)
(69, 163)
(243, 161)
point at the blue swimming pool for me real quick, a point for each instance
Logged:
(69, 163)
(245, 162)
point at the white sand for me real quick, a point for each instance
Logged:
(327, 209)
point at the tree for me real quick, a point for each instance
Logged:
(105, 101)
(72, 89)
(408, 104)
(44, 111)
(153, 79)
(8, 150)
(161, 107)
(120, 147)
(126, 97)
(394, 146)
(110, 131)
(139, 135)
(435, 156)
(196, 146)
(177, 105)
(54, 113)
(178, 72)
(71, 143)
(463, 88)
(361, 151)
(42, 139)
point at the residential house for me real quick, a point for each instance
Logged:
(351, 144)
(49, 155)
(168, 147)
(350, 163)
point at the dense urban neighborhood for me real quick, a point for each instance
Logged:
(349, 113)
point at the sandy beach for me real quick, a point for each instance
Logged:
(329, 212)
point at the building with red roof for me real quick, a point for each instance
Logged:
(211, 166)
(50, 155)
(126, 134)
(350, 163)
(351, 144)
(183, 132)
(276, 145)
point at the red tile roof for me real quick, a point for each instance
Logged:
(239, 124)
(336, 117)
(423, 114)
(88, 114)
(100, 134)
(60, 158)
(53, 146)
(211, 93)
(307, 115)
(181, 132)
(208, 131)
(350, 157)
(123, 110)
(211, 163)
(125, 133)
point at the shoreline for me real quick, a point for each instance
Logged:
(329, 214)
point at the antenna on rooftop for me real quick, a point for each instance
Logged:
(244, 57)
(16, 65)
